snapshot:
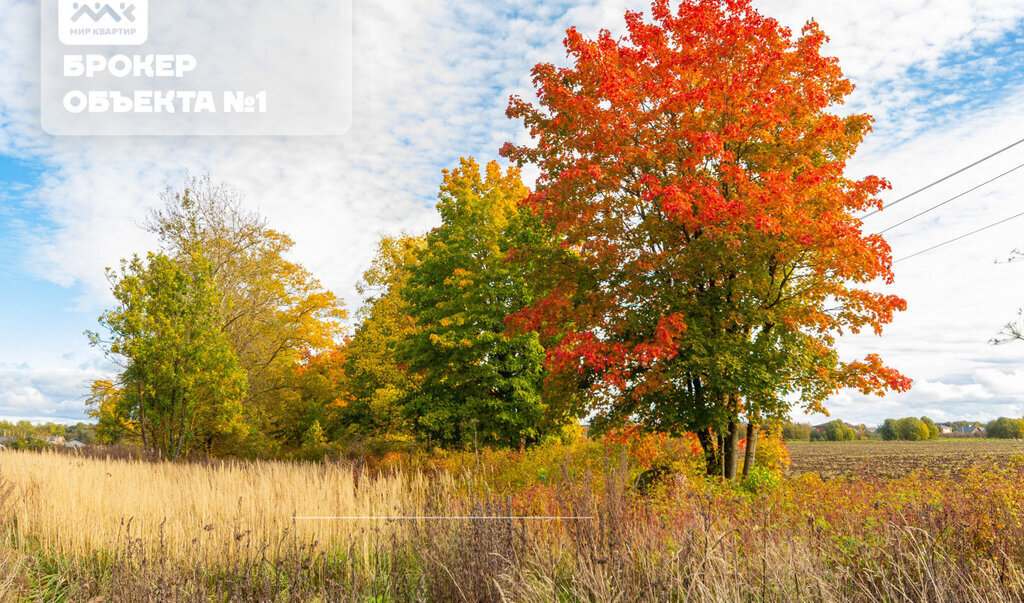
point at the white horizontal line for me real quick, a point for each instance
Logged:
(390, 517)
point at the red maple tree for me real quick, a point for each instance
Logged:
(709, 246)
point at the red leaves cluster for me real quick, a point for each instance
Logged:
(871, 376)
(615, 361)
(329, 363)
(323, 372)
(648, 447)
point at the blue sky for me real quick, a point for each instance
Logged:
(28, 300)
(943, 79)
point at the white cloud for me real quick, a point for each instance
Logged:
(46, 394)
(1001, 384)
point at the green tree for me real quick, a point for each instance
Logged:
(478, 383)
(838, 431)
(912, 429)
(889, 430)
(314, 442)
(314, 436)
(1005, 428)
(182, 385)
(83, 432)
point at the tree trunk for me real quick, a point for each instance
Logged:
(748, 455)
(142, 419)
(721, 455)
(175, 401)
(732, 445)
(177, 446)
(707, 444)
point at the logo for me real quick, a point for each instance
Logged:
(127, 12)
(103, 23)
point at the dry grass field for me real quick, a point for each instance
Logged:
(897, 458)
(225, 531)
(76, 506)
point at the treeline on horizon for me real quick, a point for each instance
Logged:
(907, 428)
(689, 255)
(25, 434)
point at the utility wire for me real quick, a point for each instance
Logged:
(973, 232)
(938, 205)
(943, 179)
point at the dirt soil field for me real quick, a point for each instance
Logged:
(895, 459)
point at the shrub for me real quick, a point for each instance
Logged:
(28, 443)
(770, 452)
(761, 480)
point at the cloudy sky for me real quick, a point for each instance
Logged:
(430, 84)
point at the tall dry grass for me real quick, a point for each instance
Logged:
(223, 532)
(75, 507)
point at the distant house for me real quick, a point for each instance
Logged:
(75, 444)
(945, 428)
(56, 441)
(972, 431)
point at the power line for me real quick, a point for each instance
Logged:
(938, 205)
(449, 517)
(943, 179)
(973, 232)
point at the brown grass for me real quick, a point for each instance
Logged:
(77, 506)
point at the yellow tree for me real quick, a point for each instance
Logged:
(377, 382)
(272, 309)
(109, 408)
